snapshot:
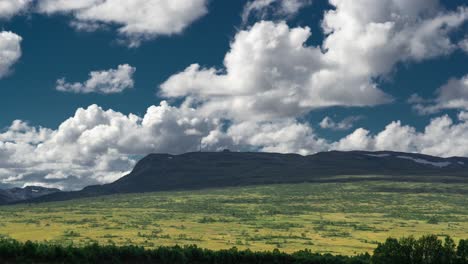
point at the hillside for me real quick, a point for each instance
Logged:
(198, 170)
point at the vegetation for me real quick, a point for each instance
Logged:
(426, 250)
(336, 218)
(12, 251)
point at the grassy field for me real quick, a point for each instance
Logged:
(344, 218)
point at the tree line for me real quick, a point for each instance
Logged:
(425, 250)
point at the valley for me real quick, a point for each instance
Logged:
(345, 217)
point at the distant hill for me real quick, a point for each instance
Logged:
(21, 194)
(196, 170)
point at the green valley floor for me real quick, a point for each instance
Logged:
(340, 218)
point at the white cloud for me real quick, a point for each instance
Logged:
(64, 6)
(284, 136)
(10, 51)
(105, 82)
(264, 9)
(137, 20)
(270, 72)
(358, 140)
(370, 43)
(463, 44)
(20, 131)
(9, 8)
(345, 124)
(441, 137)
(452, 95)
(96, 146)
(463, 116)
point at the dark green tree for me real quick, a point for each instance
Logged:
(429, 250)
(449, 254)
(389, 252)
(462, 251)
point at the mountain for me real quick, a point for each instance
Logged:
(197, 170)
(21, 194)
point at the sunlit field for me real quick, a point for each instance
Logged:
(345, 218)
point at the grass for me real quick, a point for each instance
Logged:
(345, 218)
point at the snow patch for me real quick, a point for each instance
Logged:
(461, 163)
(378, 155)
(423, 161)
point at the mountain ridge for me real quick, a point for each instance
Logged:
(17, 194)
(198, 170)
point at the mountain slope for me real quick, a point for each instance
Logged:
(165, 172)
(21, 194)
(196, 170)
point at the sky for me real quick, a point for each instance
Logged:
(88, 87)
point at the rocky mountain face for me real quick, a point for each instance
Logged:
(197, 170)
(22, 194)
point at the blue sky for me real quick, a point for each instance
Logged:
(53, 50)
(347, 94)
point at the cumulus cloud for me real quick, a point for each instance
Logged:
(345, 124)
(96, 145)
(452, 95)
(136, 20)
(105, 82)
(9, 8)
(284, 136)
(264, 9)
(441, 137)
(20, 131)
(10, 51)
(270, 72)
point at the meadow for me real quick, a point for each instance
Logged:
(339, 218)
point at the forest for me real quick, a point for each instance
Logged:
(425, 250)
